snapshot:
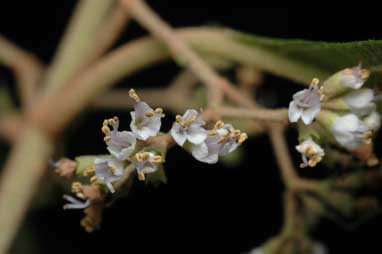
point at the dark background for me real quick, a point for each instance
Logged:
(202, 208)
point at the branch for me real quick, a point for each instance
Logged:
(19, 181)
(27, 69)
(272, 115)
(134, 56)
(11, 126)
(75, 45)
(284, 161)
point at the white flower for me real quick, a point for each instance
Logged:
(373, 121)
(120, 144)
(108, 170)
(145, 122)
(349, 131)
(189, 127)
(360, 101)
(354, 77)
(306, 104)
(222, 140)
(75, 203)
(146, 163)
(311, 153)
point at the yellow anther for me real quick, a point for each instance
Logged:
(191, 119)
(111, 121)
(105, 129)
(134, 95)
(178, 118)
(309, 151)
(138, 156)
(141, 176)
(145, 156)
(221, 139)
(314, 82)
(76, 187)
(157, 159)
(87, 223)
(219, 124)
(314, 160)
(105, 122)
(107, 138)
(212, 132)
(93, 179)
(89, 171)
(159, 111)
(365, 74)
(243, 137)
(368, 136)
(112, 169)
(372, 162)
(149, 114)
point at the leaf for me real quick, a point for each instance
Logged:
(326, 57)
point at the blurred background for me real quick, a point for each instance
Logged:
(231, 207)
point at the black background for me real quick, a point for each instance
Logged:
(203, 208)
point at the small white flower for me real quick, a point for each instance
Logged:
(189, 127)
(120, 144)
(146, 163)
(108, 170)
(373, 121)
(222, 140)
(311, 153)
(75, 203)
(354, 77)
(350, 132)
(145, 122)
(306, 104)
(360, 101)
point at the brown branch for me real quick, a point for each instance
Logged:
(276, 115)
(284, 161)
(27, 69)
(109, 31)
(11, 126)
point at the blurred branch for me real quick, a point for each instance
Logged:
(76, 43)
(11, 126)
(27, 69)
(275, 115)
(110, 29)
(180, 50)
(20, 177)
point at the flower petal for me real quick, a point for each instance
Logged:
(196, 134)
(294, 112)
(178, 134)
(309, 114)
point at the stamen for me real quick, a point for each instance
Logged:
(107, 139)
(105, 129)
(219, 124)
(315, 82)
(149, 114)
(89, 171)
(141, 176)
(365, 74)
(243, 137)
(112, 169)
(94, 179)
(87, 223)
(367, 137)
(159, 111)
(76, 187)
(191, 120)
(157, 159)
(134, 95)
(212, 132)
(178, 118)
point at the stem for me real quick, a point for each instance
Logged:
(19, 181)
(284, 161)
(27, 69)
(11, 126)
(152, 22)
(75, 45)
(277, 115)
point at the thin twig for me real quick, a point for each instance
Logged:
(272, 115)
(27, 68)
(284, 161)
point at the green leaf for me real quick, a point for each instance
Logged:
(326, 57)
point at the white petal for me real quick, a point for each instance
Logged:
(189, 113)
(141, 108)
(196, 134)
(178, 134)
(228, 148)
(309, 114)
(359, 98)
(294, 112)
(373, 121)
(199, 151)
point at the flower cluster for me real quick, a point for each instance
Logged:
(142, 149)
(341, 106)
